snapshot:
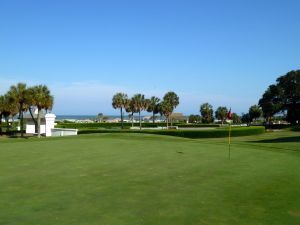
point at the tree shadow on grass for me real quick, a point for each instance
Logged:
(279, 140)
(278, 148)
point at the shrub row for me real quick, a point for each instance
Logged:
(126, 125)
(217, 133)
(277, 126)
(297, 128)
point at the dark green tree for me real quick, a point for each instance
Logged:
(290, 86)
(194, 118)
(236, 119)
(246, 118)
(271, 102)
(206, 111)
(221, 114)
(283, 96)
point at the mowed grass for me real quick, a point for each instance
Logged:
(149, 179)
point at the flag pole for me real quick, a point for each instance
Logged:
(229, 140)
(229, 117)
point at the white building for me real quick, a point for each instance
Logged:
(47, 123)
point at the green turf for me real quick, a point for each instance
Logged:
(139, 179)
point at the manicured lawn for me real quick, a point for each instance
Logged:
(137, 179)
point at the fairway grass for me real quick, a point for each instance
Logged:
(144, 179)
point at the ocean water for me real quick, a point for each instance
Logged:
(75, 117)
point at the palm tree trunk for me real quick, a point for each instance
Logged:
(1, 124)
(7, 124)
(34, 120)
(132, 119)
(22, 123)
(140, 119)
(122, 118)
(167, 118)
(153, 119)
(39, 123)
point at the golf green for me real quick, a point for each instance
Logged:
(137, 179)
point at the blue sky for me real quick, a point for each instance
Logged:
(222, 52)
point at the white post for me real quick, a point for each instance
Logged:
(50, 119)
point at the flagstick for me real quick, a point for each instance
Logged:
(229, 140)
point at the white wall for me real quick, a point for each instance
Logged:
(55, 132)
(30, 128)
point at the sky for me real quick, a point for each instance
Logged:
(222, 52)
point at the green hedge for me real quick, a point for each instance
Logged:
(277, 126)
(283, 126)
(216, 133)
(295, 128)
(126, 125)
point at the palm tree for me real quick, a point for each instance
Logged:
(7, 109)
(49, 103)
(171, 100)
(140, 103)
(130, 108)
(2, 102)
(120, 101)
(153, 107)
(255, 112)
(18, 95)
(32, 106)
(166, 109)
(41, 99)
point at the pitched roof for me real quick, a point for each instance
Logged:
(28, 116)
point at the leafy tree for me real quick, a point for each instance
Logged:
(283, 96)
(171, 101)
(153, 107)
(290, 86)
(246, 118)
(18, 95)
(140, 103)
(236, 119)
(120, 101)
(271, 102)
(206, 111)
(254, 112)
(194, 118)
(221, 113)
